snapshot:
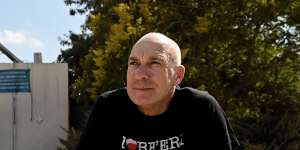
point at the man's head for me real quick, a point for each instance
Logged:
(154, 70)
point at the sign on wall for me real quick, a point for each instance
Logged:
(14, 80)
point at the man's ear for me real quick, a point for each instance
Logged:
(180, 71)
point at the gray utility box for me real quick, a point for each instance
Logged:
(33, 105)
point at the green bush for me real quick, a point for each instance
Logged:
(72, 140)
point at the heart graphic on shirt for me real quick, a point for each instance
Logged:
(131, 144)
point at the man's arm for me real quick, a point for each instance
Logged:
(223, 136)
(90, 138)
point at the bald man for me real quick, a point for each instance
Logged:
(152, 112)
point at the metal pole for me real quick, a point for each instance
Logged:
(9, 54)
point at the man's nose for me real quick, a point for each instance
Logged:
(142, 72)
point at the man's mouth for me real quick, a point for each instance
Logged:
(143, 88)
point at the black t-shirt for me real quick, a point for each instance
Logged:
(193, 121)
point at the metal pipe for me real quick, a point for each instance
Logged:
(9, 54)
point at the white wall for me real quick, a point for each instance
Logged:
(40, 114)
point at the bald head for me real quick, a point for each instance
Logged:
(167, 45)
(154, 70)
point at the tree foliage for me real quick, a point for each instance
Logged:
(244, 52)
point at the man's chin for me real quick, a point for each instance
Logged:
(141, 100)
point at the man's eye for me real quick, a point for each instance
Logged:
(155, 62)
(133, 63)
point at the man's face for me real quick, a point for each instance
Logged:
(151, 76)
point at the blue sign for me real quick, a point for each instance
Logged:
(15, 80)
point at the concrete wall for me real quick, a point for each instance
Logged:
(40, 114)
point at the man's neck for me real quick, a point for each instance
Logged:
(157, 108)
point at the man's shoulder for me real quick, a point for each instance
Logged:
(112, 96)
(114, 93)
(193, 93)
(196, 98)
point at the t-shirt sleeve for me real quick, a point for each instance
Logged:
(89, 136)
(222, 135)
